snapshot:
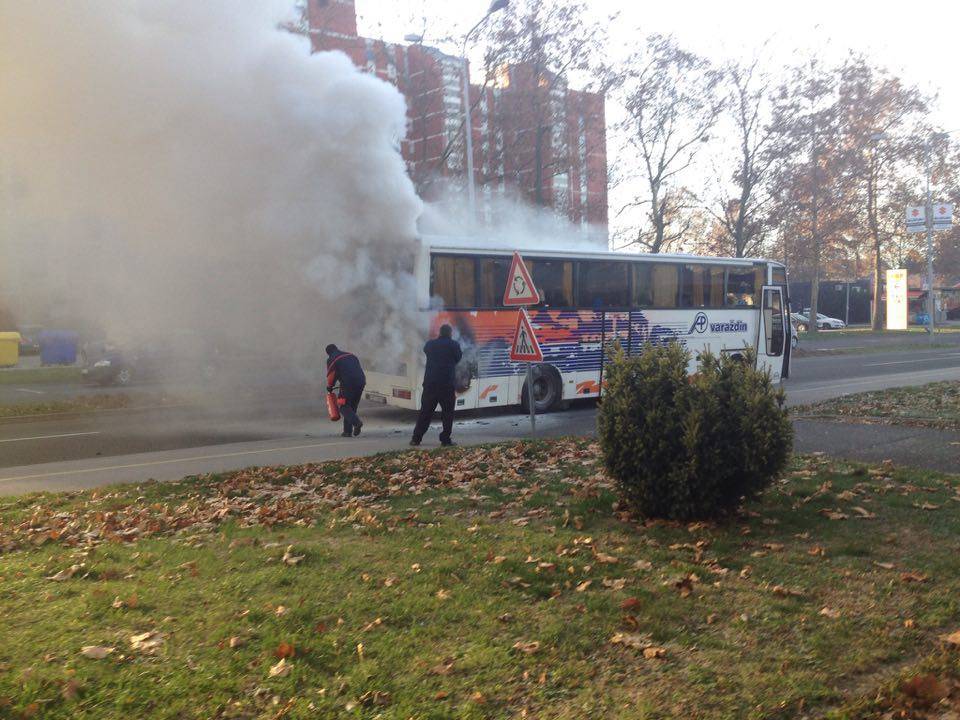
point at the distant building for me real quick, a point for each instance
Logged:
(572, 148)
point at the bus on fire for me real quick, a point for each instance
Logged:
(588, 301)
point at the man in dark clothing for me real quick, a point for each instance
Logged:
(439, 385)
(344, 368)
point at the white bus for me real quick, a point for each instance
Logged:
(589, 300)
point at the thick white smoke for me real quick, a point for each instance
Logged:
(189, 165)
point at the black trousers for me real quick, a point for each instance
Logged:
(446, 398)
(348, 411)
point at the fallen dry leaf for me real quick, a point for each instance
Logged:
(443, 668)
(284, 650)
(66, 574)
(443, 594)
(654, 653)
(70, 690)
(617, 584)
(952, 639)
(289, 558)
(606, 559)
(830, 613)
(281, 669)
(630, 603)
(909, 577)
(643, 565)
(631, 640)
(236, 641)
(863, 512)
(926, 688)
(95, 652)
(147, 642)
(582, 587)
(527, 648)
(884, 565)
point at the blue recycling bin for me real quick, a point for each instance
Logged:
(58, 347)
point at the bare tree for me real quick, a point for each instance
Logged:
(743, 199)
(534, 52)
(882, 121)
(672, 104)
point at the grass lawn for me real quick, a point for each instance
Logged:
(478, 583)
(39, 375)
(935, 405)
(82, 403)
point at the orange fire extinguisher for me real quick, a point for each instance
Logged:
(333, 406)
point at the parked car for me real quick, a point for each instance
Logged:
(953, 314)
(825, 322)
(108, 364)
(800, 321)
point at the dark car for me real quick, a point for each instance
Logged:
(107, 364)
(953, 314)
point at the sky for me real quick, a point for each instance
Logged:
(897, 35)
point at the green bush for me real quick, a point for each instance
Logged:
(685, 446)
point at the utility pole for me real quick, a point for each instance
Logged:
(815, 282)
(929, 214)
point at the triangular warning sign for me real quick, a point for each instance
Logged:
(520, 288)
(525, 346)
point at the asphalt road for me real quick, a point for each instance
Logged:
(84, 450)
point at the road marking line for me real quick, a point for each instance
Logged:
(170, 462)
(48, 437)
(33, 392)
(907, 362)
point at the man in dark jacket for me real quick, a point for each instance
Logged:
(439, 385)
(344, 368)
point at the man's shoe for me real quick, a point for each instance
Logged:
(448, 443)
(415, 442)
(345, 434)
(356, 428)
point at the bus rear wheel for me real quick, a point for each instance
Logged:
(547, 389)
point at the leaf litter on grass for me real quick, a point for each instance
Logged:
(672, 592)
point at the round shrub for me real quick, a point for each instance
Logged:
(686, 447)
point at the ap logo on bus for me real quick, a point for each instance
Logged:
(700, 324)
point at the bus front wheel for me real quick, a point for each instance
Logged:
(547, 389)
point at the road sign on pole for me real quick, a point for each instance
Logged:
(916, 219)
(942, 216)
(520, 288)
(525, 345)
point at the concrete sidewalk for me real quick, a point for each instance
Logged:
(907, 446)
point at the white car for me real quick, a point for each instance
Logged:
(828, 323)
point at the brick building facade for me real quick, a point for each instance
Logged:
(565, 169)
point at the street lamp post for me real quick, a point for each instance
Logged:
(495, 6)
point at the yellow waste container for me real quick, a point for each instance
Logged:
(9, 349)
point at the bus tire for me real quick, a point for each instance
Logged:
(547, 388)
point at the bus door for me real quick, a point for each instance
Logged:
(772, 339)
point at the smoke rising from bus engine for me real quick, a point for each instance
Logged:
(190, 166)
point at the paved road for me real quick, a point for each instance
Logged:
(166, 443)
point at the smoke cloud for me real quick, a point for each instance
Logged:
(183, 165)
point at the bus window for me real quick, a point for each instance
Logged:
(702, 286)
(666, 282)
(554, 280)
(602, 285)
(642, 284)
(742, 287)
(493, 280)
(452, 280)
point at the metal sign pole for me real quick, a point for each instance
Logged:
(530, 401)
